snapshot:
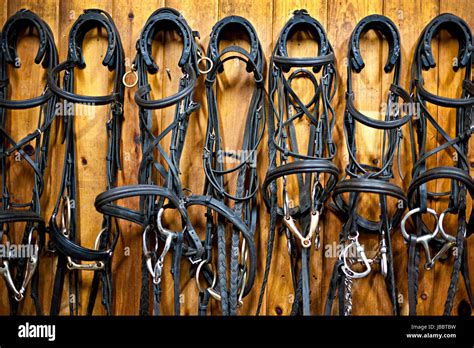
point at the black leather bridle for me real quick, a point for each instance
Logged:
(215, 156)
(19, 272)
(366, 178)
(167, 192)
(287, 159)
(63, 223)
(462, 184)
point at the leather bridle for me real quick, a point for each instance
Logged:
(364, 178)
(462, 184)
(168, 193)
(18, 273)
(63, 228)
(215, 156)
(287, 159)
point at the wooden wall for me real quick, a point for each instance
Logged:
(268, 17)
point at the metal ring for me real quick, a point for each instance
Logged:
(207, 59)
(144, 244)
(354, 237)
(124, 79)
(30, 235)
(66, 223)
(406, 236)
(97, 239)
(198, 272)
(446, 236)
(348, 271)
(162, 229)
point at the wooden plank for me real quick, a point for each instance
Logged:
(26, 82)
(342, 19)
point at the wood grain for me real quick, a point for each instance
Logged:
(234, 89)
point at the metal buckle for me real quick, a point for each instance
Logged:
(97, 266)
(360, 251)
